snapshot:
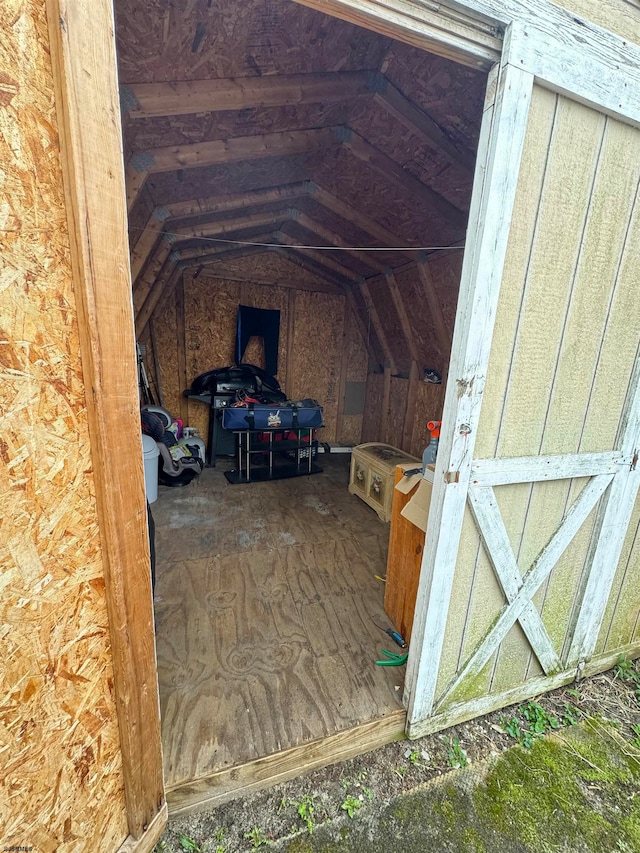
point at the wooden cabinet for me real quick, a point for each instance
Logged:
(372, 471)
(406, 544)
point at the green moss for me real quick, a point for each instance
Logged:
(573, 791)
(566, 789)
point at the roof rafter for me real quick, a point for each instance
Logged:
(183, 97)
(285, 143)
(218, 151)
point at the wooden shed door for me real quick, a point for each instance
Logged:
(529, 539)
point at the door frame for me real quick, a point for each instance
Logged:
(545, 44)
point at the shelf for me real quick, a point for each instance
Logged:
(277, 463)
(278, 472)
(278, 446)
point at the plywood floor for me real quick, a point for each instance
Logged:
(264, 602)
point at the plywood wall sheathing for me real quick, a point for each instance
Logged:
(428, 407)
(316, 353)
(357, 360)
(558, 375)
(61, 783)
(308, 365)
(373, 408)
(388, 315)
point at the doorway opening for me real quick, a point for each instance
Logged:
(283, 159)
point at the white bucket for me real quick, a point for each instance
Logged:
(150, 456)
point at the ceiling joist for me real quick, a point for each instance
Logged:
(240, 93)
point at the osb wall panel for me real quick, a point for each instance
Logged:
(373, 408)
(420, 319)
(396, 411)
(450, 93)
(357, 362)
(390, 321)
(564, 345)
(429, 403)
(316, 351)
(166, 331)
(153, 46)
(61, 784)
(211, 309)
(446, 269)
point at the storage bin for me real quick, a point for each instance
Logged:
(150, 456)
(372, 474)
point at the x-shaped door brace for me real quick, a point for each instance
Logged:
(520, 590)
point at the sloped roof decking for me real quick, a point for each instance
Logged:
(381, 137)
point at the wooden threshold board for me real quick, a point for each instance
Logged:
(225, 785)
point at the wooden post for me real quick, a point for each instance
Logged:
(290, 373)
(85, 78)
(344, 364)
(386, 397)
(182, 349)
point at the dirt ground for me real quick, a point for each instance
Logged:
(346, 790)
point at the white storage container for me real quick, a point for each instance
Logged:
(150, 456)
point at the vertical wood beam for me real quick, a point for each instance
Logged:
(396, 296)
(181, 335)
(344, 364)
(156, 360)
(85, 78)
(291, 307)
(386, 397)
(377, 325)
(435, 309)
